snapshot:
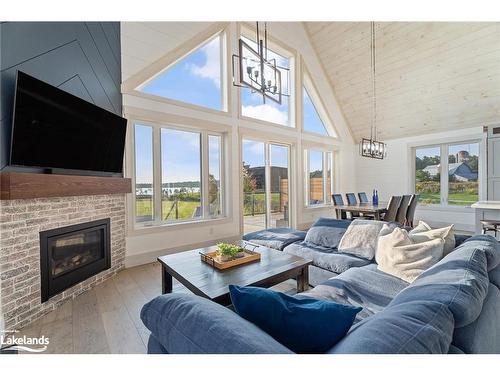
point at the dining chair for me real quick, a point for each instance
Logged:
(403, 208)
(338, 201)
(362, 197)
(410, 214)
(392, 208)
(351, 199)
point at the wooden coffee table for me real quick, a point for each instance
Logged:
(206, 281)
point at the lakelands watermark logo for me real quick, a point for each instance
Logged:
(9, 342)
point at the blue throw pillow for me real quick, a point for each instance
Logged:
(327, 232)
(304, 325)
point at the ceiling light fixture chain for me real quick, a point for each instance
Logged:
(372, 148)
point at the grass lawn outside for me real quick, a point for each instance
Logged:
(185, 209)
(454, 199)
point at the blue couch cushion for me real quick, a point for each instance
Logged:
(406, 328)
(494, 276)
(459, 281)
(275, 238)
(327, 232)
(483, 335)
(324, 257)
(304, 325)
(154, 346)
(366, 287)
(188, 324)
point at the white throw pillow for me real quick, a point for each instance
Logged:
(423, 232)
(398, 255)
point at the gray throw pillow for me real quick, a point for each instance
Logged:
(361, 237)
(327, 232)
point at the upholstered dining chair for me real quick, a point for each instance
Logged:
(403, 208)
(392, 208)
(362, 197)
(338, 201)
(351, 198)
(410, 213)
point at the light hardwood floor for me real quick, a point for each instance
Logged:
(106, 319)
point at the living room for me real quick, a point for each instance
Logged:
(183, 185)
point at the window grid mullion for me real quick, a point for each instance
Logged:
(325, 175)
(444, 175)
(157, 178)
(204, 175)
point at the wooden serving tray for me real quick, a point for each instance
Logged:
(214, 260)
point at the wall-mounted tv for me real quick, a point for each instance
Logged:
(54, 130)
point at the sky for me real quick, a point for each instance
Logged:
(196, 79)
(472, 148)
(180, 156)
(315, 161)
(312, 121)
(144, 154)
(254, 155)
(252, 104)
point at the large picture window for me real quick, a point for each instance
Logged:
(319, 177)
(460, 186)
(174, 188)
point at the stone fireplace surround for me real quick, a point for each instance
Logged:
(21, 220)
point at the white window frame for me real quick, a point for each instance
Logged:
(157, 177)
(444, 181)
(328, 159)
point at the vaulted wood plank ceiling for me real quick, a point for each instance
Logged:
(431, 76)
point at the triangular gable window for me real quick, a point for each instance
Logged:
(195, 79)
(312, 120)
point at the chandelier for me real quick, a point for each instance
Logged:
(252, 69)
(372, 148)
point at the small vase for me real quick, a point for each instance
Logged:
(241, 254)
(225, 258)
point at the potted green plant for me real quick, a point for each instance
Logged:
(227, 251)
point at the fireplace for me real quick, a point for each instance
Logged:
(71, 254)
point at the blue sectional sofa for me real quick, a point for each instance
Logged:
(452, 307)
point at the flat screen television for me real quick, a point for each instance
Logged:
(54, 130)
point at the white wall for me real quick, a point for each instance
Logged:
(143, 44)
(393, 175)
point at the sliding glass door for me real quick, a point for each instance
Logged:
(265, 174)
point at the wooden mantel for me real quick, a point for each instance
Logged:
(15, 185)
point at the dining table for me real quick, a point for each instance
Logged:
(375, 210)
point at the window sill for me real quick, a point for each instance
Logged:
(440, 207)
(317, 206)
(140, 229)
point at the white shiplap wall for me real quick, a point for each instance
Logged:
(431, 76)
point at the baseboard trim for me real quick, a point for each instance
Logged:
(150, 256)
